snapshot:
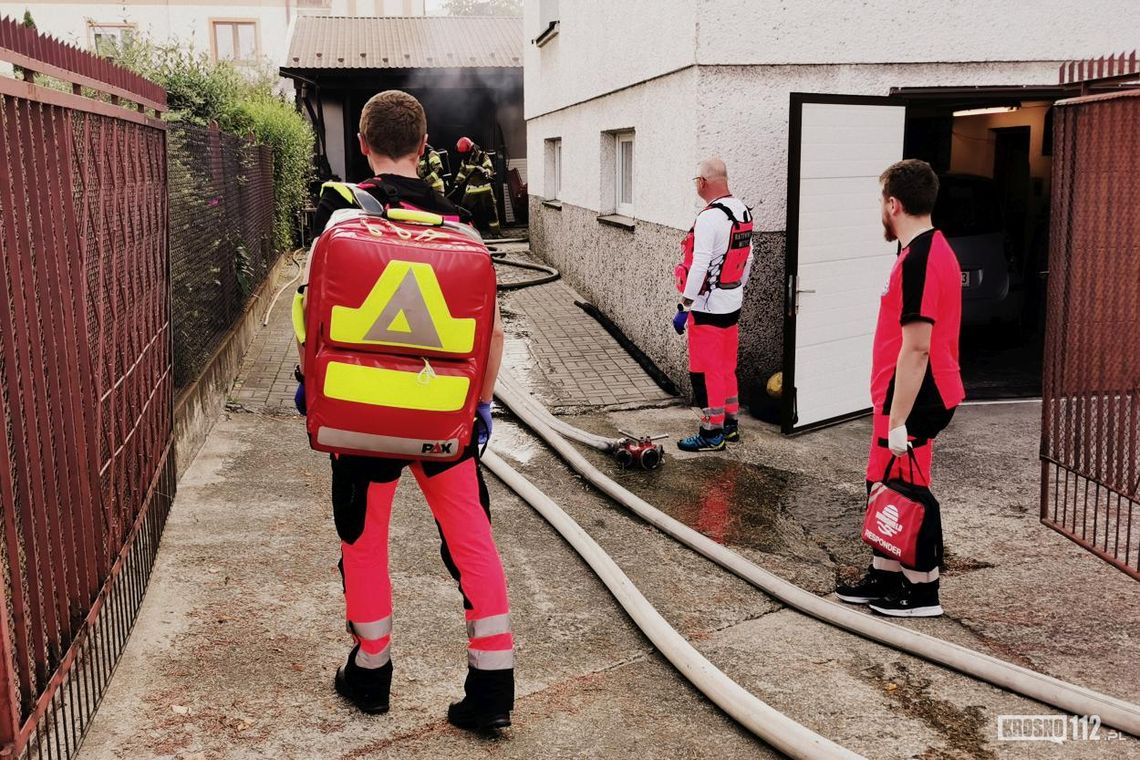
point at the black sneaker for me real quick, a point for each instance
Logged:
(910, 600)
(875, 585)
(367, 688)
(487, 705)
(732, 431)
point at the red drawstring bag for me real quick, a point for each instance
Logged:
(903, 520)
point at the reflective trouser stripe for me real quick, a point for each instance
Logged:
(374, 639)
(374, 659)
(914, 576)
(489, 626)
(377, 629)
(714, 417)
(482, 659)
(882, 563)
(732, 405)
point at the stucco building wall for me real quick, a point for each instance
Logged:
(714, 77)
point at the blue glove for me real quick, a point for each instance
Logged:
(483, 422)
(679, 320)
(299, 397)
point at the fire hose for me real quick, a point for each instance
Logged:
(1071, 698)
(550, 273)
(761, 719)
(628, 451)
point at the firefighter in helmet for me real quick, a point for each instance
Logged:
(474, 180)
(430, 169)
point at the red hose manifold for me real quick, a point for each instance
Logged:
(642, 452)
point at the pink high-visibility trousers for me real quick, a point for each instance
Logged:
(712, 369)
(458, 501)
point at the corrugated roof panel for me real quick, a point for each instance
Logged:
(343, 42)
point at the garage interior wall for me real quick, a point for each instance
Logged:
(972, 145)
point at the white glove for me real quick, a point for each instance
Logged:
(897, 441)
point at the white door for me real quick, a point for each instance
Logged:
(837, 258)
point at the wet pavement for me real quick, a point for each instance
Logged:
(242, 627)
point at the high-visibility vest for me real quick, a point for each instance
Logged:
(727, 270)
(397, 329)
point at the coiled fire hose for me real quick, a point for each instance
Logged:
(1068, 697)
(761, 719)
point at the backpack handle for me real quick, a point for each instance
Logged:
(411, 216)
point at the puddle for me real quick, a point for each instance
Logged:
(513, 442)
(730, 502)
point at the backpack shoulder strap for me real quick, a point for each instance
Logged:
(367, 201)
(727, 211)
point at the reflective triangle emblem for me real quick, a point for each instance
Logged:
(405, 308)
(406, 318)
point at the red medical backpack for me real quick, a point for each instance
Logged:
(401, 307)
(724, 273)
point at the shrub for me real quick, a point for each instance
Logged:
(277, 124)
(200, 91)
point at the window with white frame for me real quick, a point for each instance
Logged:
(623, 174)
(553, 188)
(109, 38)
(235, 40)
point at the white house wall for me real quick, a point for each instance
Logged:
(767, 32)
(188, 22)
(602, 47)
(664, 156)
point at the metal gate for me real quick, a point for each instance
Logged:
(86, 476)
(1090, 452)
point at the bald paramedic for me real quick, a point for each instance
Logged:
(716, 260)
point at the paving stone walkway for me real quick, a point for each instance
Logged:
(568, 358)
(266, 382)
(553, 347)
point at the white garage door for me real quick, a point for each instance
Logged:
(837, 259)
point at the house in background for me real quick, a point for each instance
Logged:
(244, 31)
(467, 72)
(807, 103)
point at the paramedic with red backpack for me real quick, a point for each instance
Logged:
(401, 360)
(716, 259)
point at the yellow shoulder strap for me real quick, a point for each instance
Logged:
(299, 316)
(344, 188)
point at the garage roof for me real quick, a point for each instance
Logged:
(346, 42)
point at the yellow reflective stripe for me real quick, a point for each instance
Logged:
(479, 189)
(405, 308)
(299, 316)
(377, 386)
(415, 217)
(343, 188)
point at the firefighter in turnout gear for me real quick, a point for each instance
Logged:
(430, 169)
(374, 355)
(474, 180)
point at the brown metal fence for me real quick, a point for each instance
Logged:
(1090, 451)
(221, 237)
(86, 476)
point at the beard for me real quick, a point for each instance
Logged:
(888, 230)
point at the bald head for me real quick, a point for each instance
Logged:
(712, 179)
(712, 168)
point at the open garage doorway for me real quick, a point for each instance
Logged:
(992, 149)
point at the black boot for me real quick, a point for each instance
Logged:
(875, 585)
(367, 688)
(490, 697)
